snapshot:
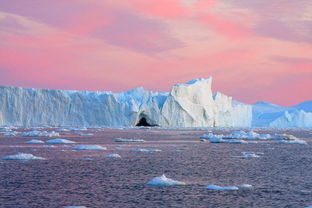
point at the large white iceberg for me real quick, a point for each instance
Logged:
(187, 105)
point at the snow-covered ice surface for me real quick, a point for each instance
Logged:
(60, 141)
(35, 141)
(164, 181)
(89, 147)
(22, 156)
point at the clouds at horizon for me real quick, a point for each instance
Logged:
(255, 50)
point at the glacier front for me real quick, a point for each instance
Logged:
(187, 105)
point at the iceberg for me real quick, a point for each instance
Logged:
(187, 105)
(60, 141)
(35, 141)
(89, 147)
(265, 114)
(22, 156)
(164, 181)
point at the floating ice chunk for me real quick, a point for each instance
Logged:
(5, 129)
(48, 146)
(297, 141)
(87, 158)
(215, 187)
(247, 155)
(118, 148)
(128, 140)
(146, 150)
(164, 181)
(35, 141)
(245, 186)
(284, 137)
(22, 156)
(60, 141)
(113, 156)
(78, 129)
(62, 130)
(89, 147)
(10, 133)
(89, 134)
(40, 134)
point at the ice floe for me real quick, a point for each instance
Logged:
(88, 134)
(113, 156)
(228, 188)
(14, 133)
(78, 129)
(22, 156)
(247, 155)
(40, 134)
(35, 141)
(89, 147)
(48, 146)
(60, 141)
(62, 130)
(146, 150)
(128, 140)
(240, 137)
(164, 181)
(297, 141)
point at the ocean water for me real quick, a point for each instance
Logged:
(281, 176)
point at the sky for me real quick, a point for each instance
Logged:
(253, 49)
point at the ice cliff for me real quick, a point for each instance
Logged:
(187, 105)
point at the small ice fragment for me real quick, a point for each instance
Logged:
(146, 150)
(60, 141)
(35, 141)
(40, 134)
(22, 156)
(113, 156)
(296, 141)
(164, 181)
(62, 130)
(215, 187)
(48, 146)
(89, 147)
(128, 140)
(89, 134)
(247, 155)
(245, 186)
